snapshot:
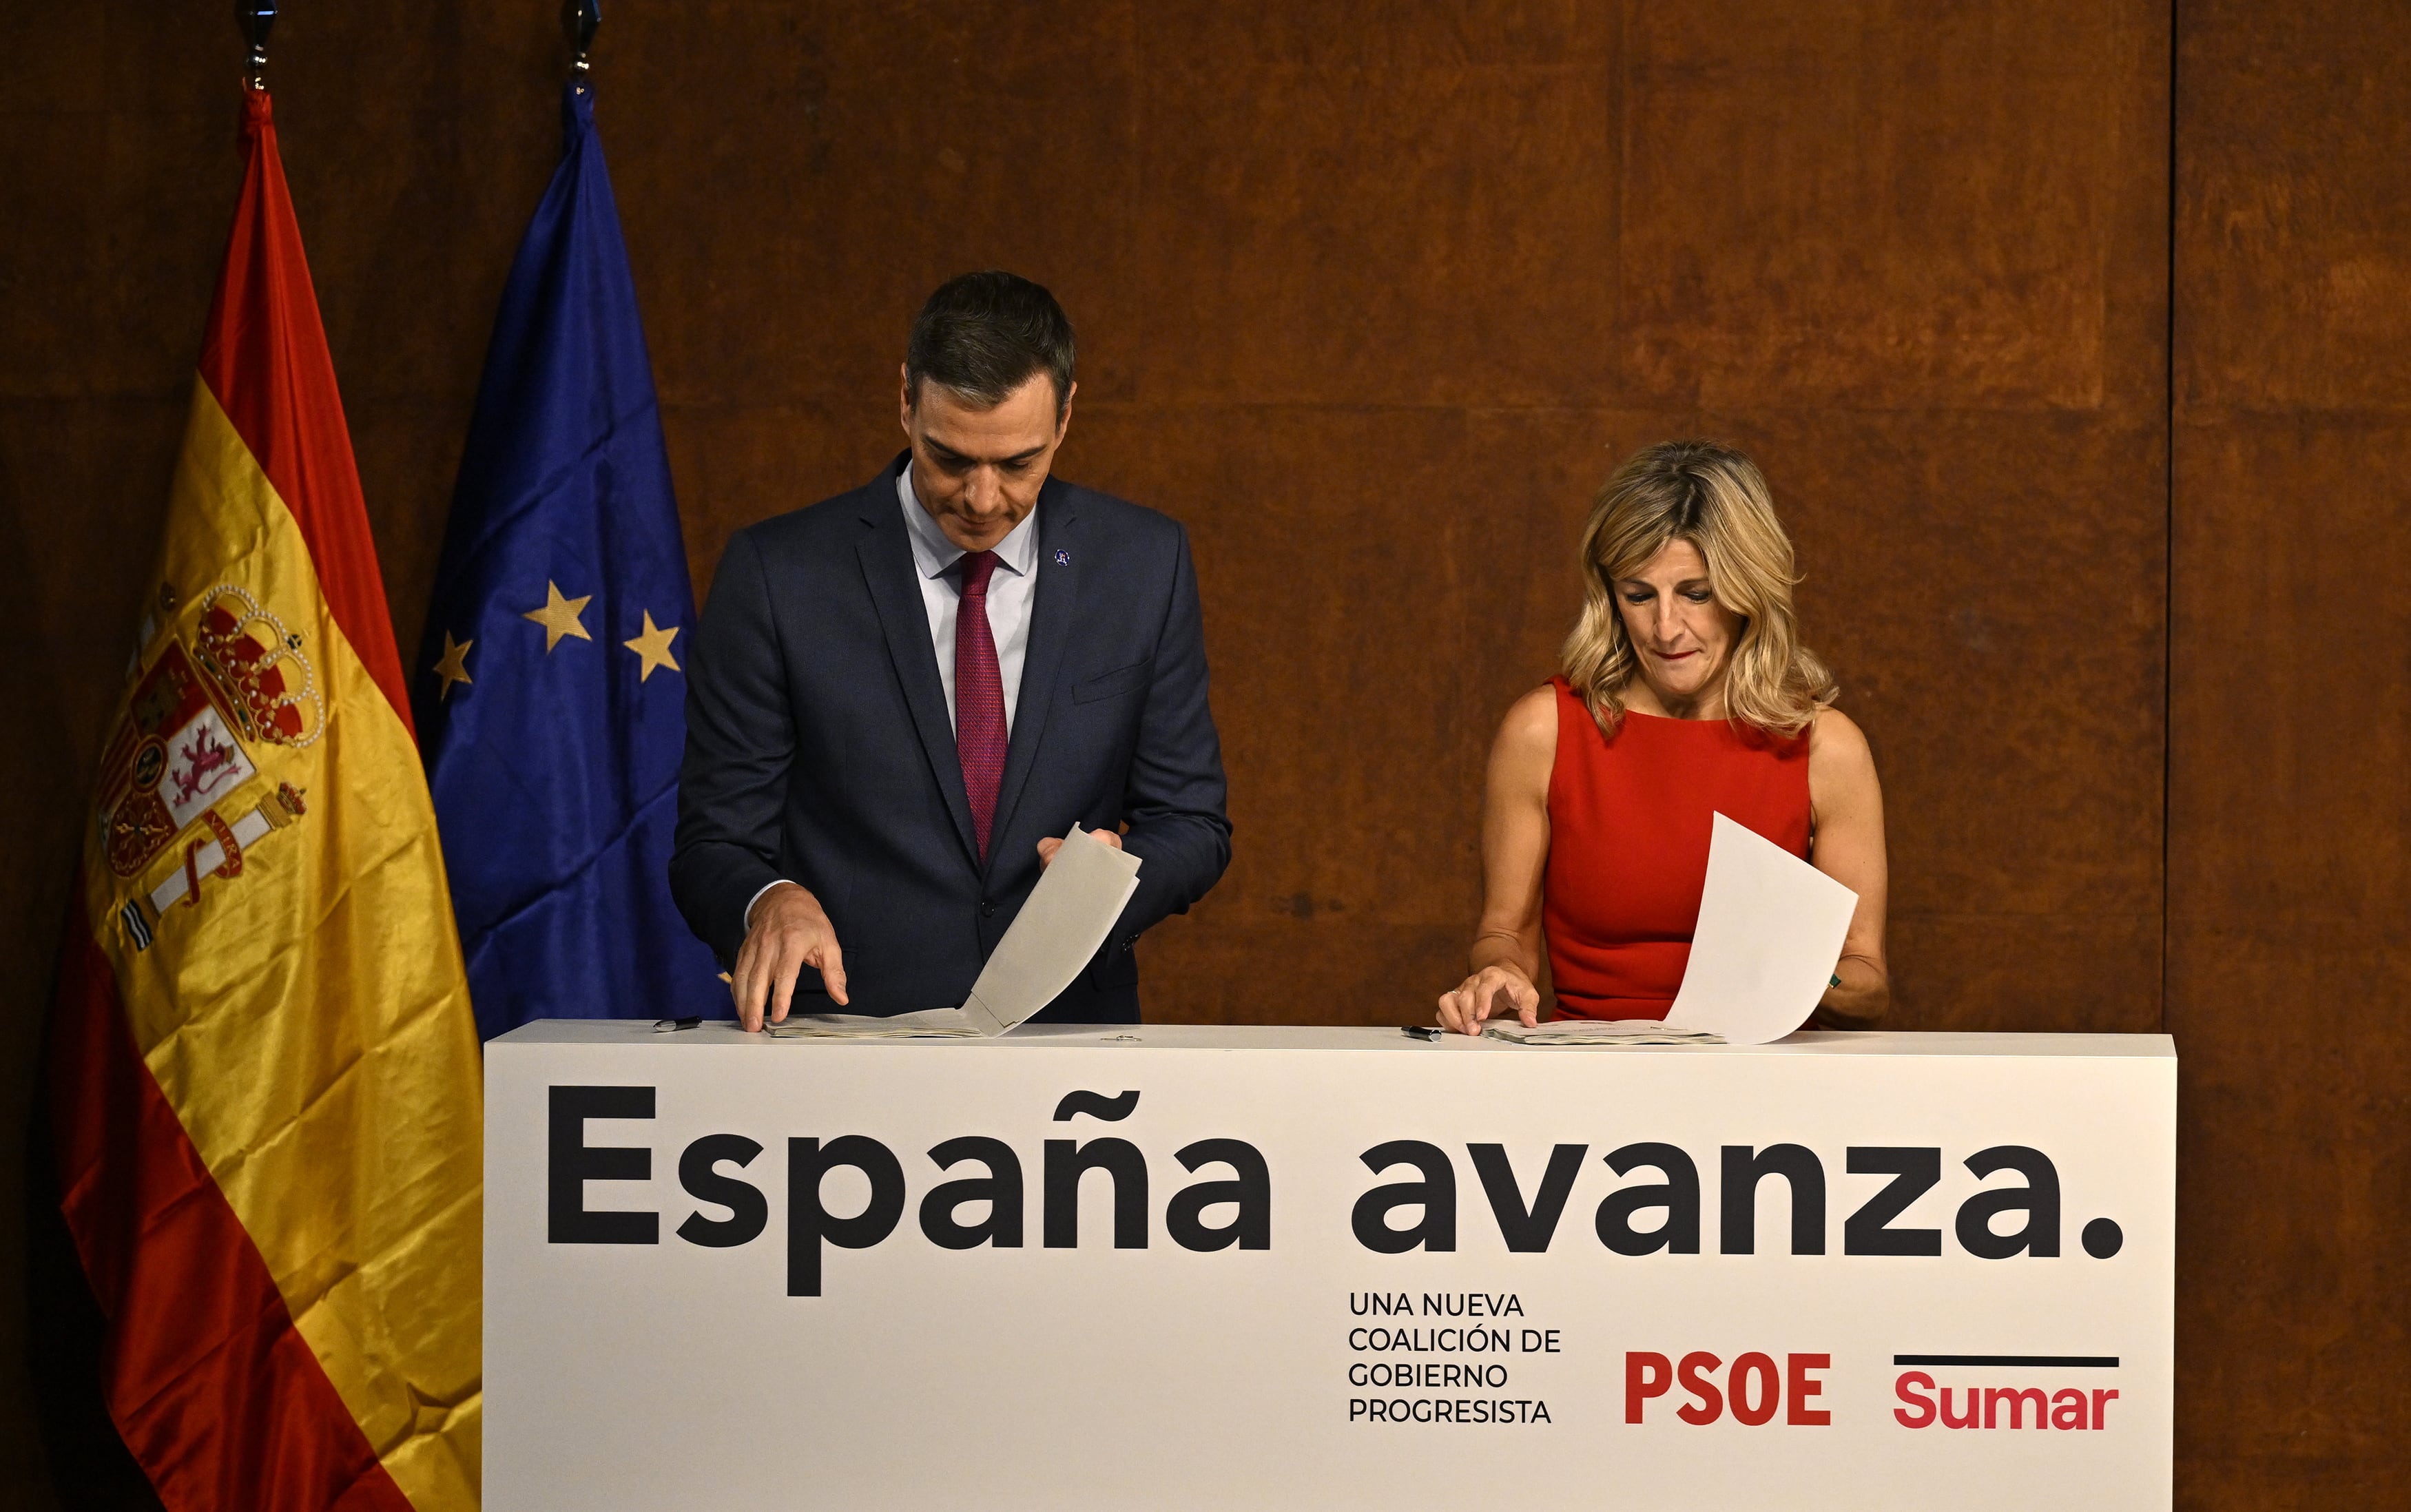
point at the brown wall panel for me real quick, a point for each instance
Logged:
(794, 179)
(1383, 232)
(1883, 205)
(2289, 878)
(1371, 295)
(2290, 808)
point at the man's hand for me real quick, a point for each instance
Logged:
(789, 932)
(1494, 990)
(1046, 849)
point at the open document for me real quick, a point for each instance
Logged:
(1075, 907)
(1771, 929)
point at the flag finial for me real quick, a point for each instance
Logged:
(255, 17)
(580, 21)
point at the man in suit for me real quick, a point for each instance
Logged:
(899, 699)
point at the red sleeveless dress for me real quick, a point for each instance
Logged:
(1629, 824)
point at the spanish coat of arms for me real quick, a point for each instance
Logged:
(181, 750)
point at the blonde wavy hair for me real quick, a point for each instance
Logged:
(1715, 498)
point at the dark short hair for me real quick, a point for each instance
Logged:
(983, 335)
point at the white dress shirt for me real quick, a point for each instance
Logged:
(1011, 593)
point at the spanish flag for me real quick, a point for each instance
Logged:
(264, 1067)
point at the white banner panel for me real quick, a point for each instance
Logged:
(1187, 1267)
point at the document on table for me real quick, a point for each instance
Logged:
(1066, 918)
(1771, 929)
(1599, 1032)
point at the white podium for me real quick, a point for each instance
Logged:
(1269, 1268)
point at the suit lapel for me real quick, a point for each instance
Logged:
(890, 573)
(1051, 618)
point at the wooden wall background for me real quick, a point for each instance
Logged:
(1372, 295)
(2289, 778)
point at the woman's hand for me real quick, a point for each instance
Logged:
(1492, 992)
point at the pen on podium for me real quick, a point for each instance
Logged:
(1419, 1031)
(674, 1026)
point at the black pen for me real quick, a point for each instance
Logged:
(674, 1026)
(1419, 1031)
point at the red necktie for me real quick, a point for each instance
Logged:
(979, 696)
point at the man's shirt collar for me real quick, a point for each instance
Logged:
(934, 555)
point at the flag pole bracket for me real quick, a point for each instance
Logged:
(255, 17)
(580, 21)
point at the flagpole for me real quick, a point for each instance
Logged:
(580, 21)
(255, 17)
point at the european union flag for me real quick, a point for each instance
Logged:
(549, 698)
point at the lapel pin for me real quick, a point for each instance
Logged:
(1062, 559)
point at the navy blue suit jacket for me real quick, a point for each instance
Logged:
(818, 747)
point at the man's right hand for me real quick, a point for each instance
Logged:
(788, 932)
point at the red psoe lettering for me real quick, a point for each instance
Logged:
(1799, 1386)
(1646, 1375)
(1710, 1405)
(1770, 1389)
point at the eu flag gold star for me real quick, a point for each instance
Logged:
(453, 666)
(654, 647)
(559, 615)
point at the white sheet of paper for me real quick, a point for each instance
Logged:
(1076, 904)
(1066, 918)
(1578, 1032)
(1771, 929)
(923, 1023)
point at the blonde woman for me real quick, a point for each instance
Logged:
(1686, 693)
